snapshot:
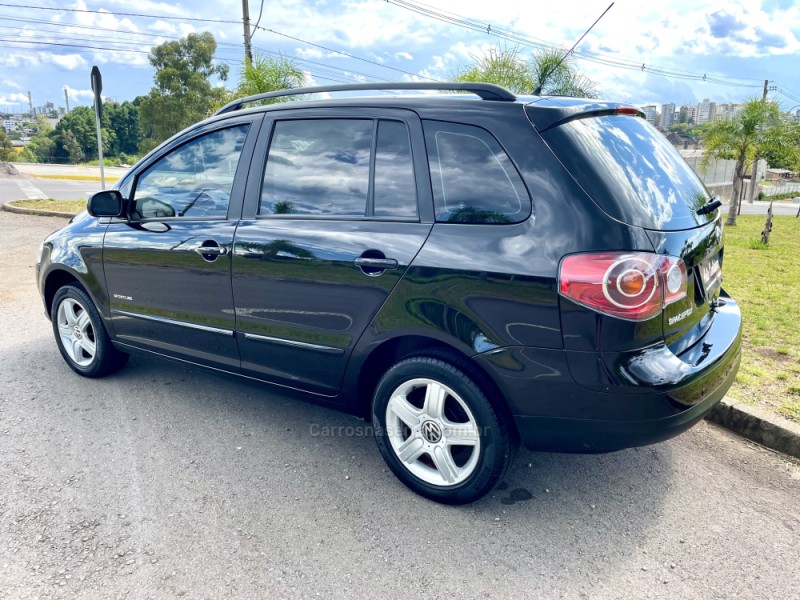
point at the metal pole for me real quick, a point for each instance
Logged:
(100, 150)
(248, 51)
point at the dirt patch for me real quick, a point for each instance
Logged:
(8, 170)
(772, 354)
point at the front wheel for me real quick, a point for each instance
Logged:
(438, 432)
(81, 337)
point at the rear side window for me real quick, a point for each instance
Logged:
(473, 179)
(318, 167)
(631, 171)
(340, 168)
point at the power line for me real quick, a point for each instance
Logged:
(493, 30)
(119, 14)
(372, 62)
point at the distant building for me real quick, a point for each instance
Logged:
(706, 111)
(687, 114)
(728, 110)
(650, 113)
(667, 115)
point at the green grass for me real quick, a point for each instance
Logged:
(66, 206)
(765, 280)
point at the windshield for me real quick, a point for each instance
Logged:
(631, 171)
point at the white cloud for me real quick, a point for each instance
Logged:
(404, 55)
(185, 29)
(12, 84)
(162, 27)
(308, 53)
(14, 98)
(79, 95)
(67, 62)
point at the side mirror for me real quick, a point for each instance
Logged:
(108, 203)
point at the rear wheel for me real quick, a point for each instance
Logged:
(438, 432)
(81, 337)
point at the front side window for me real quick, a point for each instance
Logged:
(472, 177)
(194, 180)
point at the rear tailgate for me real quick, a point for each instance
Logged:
(634, 175)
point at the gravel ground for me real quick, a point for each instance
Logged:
(164, 481)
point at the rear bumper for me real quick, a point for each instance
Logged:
(622, 400)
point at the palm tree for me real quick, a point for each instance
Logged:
(267, 74)
(757, 130)
(507, 68)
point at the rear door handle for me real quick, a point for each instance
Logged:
(215, 250)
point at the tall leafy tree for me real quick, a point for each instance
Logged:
(183, 92)
(758, 130)
(507, 67)
(72, 147)
(6, 147)
(123, 120)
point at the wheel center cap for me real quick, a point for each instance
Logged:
(77, 332)
(431, 432)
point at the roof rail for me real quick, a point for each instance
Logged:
(486, 91)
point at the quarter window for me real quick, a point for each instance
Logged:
(472, 177)
(195, 180)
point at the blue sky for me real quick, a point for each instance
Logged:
(640, 52)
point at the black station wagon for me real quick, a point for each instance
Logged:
(467, 272)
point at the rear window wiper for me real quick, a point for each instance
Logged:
(710, 207)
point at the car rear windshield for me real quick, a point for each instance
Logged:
(631, 171)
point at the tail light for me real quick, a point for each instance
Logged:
(630, 285)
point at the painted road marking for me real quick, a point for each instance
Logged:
(31, 191)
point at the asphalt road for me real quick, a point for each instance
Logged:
(21, 187)
(165, 481)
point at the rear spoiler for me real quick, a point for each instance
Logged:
(551, 112)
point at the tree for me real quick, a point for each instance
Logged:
(266, 74)
(40, 148)
(757, 130)
(123, 120)
(72, 147)
(182, 93)
(507, 68)
(7, 152)
(785, 153)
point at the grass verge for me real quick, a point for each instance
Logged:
(765, 280)
(65, 206)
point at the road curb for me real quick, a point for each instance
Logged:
(34, 211)
(758, 425)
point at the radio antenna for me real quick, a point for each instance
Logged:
(538, 89)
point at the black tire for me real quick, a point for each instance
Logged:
(89, 326)
(495, 431)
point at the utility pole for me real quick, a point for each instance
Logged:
(30, 104)
(66, 97)
(248, 51)
(752, 192)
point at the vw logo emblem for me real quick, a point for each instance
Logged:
(431, 432)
